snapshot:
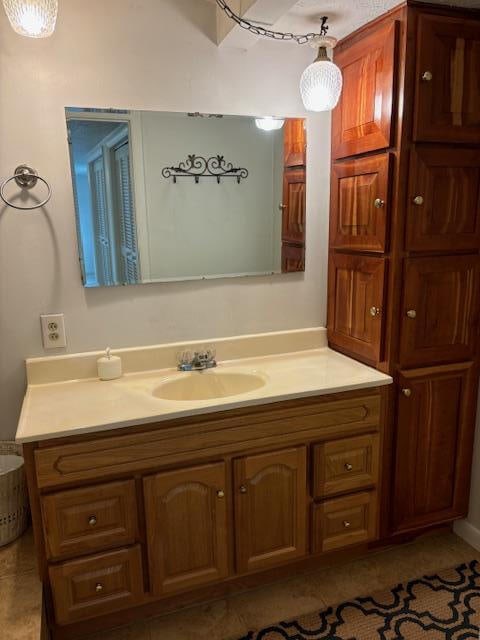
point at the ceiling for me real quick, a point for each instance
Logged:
(345, 16)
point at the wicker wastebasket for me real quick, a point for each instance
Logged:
(13, 493)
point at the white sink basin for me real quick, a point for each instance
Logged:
(208, 385)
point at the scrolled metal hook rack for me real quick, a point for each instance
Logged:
(26, 178)
(198, 167)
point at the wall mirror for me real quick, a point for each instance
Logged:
(182, 196)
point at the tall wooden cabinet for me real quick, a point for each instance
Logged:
(404, 266)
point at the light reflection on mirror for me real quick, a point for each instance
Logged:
(165, 196)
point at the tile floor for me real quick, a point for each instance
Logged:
(229, 619)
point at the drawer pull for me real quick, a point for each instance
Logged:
(418, 200)
(220, 494)
(347, 524)
(243, 489)
(348, 466)
(375, 311)
(411, 313)
(427, 76)
(92, 521)
(99, 587)
(407, 392)
(379, 203)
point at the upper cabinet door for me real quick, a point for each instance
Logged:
(440, 310)
(444, 200)
(360, 203)
(294, 205)
(295, 143)
(447, 105)
(362, 120)
(186, 513)
(356, 305)
(270, 508)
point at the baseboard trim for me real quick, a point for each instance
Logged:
(464, 529)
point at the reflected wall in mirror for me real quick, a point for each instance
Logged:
(174, 196)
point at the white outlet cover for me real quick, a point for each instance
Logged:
(53, 331)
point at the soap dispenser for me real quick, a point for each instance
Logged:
(109, 367)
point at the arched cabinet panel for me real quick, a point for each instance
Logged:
(270, 508)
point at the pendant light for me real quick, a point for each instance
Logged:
(32, 18)
(269, 124)
(321, 82)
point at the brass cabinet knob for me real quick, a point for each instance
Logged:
(427, 76)
(347, 524)
(407, 392)
(375, 311)
(348, 466)
(99, 587)
(411, 313)
(379, 203)
(243, 489)
(92, 521)
(220, 493)
(418, 200)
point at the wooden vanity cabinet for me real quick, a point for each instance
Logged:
(412, 94)
(148, 518)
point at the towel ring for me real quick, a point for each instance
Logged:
(26, 178)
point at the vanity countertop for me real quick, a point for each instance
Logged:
(88, 405)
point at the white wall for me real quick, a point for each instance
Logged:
(141, 54)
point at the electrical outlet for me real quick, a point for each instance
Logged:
(53, 331)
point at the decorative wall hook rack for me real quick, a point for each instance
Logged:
(199, 167)
(26, 178)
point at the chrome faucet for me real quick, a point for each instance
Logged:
(199, 361)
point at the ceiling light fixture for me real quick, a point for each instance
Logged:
(269, 123)
(32, 18)
(321, 83)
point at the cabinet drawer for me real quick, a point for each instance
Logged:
(88, 520)
(345, 465)
(96, 585)
(344, 521)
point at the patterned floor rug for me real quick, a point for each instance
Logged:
(445, 606)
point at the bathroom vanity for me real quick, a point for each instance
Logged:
(142, 504)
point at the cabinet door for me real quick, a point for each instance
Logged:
(356, 304)
(186, 512)
(360, 203)
(295, 143)
(293, 258)
(434, 439)
(440, 310)
(448, 87)
(294, 205)
(362, 121)
(270, 508)
(444, 199)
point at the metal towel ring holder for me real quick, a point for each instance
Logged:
(26, 178)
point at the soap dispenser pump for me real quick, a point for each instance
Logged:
(109, 367)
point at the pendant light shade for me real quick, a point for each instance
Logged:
(321, 83)
(32, 18)
(269, 124)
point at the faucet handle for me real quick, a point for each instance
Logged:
(184, 359)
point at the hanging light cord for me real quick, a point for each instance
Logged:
(267, 33)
